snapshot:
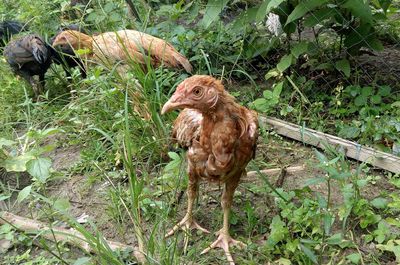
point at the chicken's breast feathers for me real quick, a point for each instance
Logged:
(187, 127)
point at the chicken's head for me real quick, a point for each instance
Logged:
(72, 38)
(200, 92)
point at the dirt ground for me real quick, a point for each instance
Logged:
(89, 201)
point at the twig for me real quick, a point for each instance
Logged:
(281, 178)
(274, 171)
(70, 236)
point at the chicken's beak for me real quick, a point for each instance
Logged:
(171, 104)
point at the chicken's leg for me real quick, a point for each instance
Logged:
(224, 239)
(188, 222)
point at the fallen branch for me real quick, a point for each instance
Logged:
(352, 149)
(70, 236)
(276, 171)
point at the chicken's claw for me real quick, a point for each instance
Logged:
(223, 241)
(186, 224)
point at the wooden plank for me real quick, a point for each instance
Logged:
(71, 236)
(352, 149)
(276, 171)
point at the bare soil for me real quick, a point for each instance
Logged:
(91, 200)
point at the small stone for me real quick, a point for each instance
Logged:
(5, 245)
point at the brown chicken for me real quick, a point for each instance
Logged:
(124, 45)
(221, 138)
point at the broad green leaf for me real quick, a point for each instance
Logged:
(268, 94)
(382, 232)
(321, 157)
(24, 193)
(349, 132)
(303, 8)
(374, 43)
(108, 7)
(50, 131)
(356, 38)
(354, 258)
(376, 99)
(318, 16)
(245, 18)
(284, 63)
(395, 104)
(367, 91)
(359, 9)
(362, 182)
(335, 239)
(379, 203)
(39, 168)
(277, 90)
(343, 66)
(360, 100)
(272, 73)
(282, 261)
(61, 204)
(299, 48)
(81, 52)
(260, 104)
(324, 66)
(213, 9)
(384, 91)
(309, 253)
(390, 246)
(17, 164)
(4, 197)
(290, 28)
(174, 156)
(5, 142)
(328, 220)
(353, 90)
(278, 232)
(273, 4)
(262, 10)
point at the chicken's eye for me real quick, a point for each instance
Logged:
(197, 91)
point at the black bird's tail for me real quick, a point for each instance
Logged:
(40, 50)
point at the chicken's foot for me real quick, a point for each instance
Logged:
(224, 239)
(188, 222)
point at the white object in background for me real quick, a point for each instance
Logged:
(273, 24)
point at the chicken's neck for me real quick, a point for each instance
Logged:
(86, 42)
(223, 108)
(226, 108)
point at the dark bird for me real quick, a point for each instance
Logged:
(221, 138)
(9, 28)
(64, 55)
(29, 56)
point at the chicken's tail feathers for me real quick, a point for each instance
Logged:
(184, 62)
(40, 50)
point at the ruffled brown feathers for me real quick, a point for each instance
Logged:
(77, 40)
(221, 134)
(125, 45)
